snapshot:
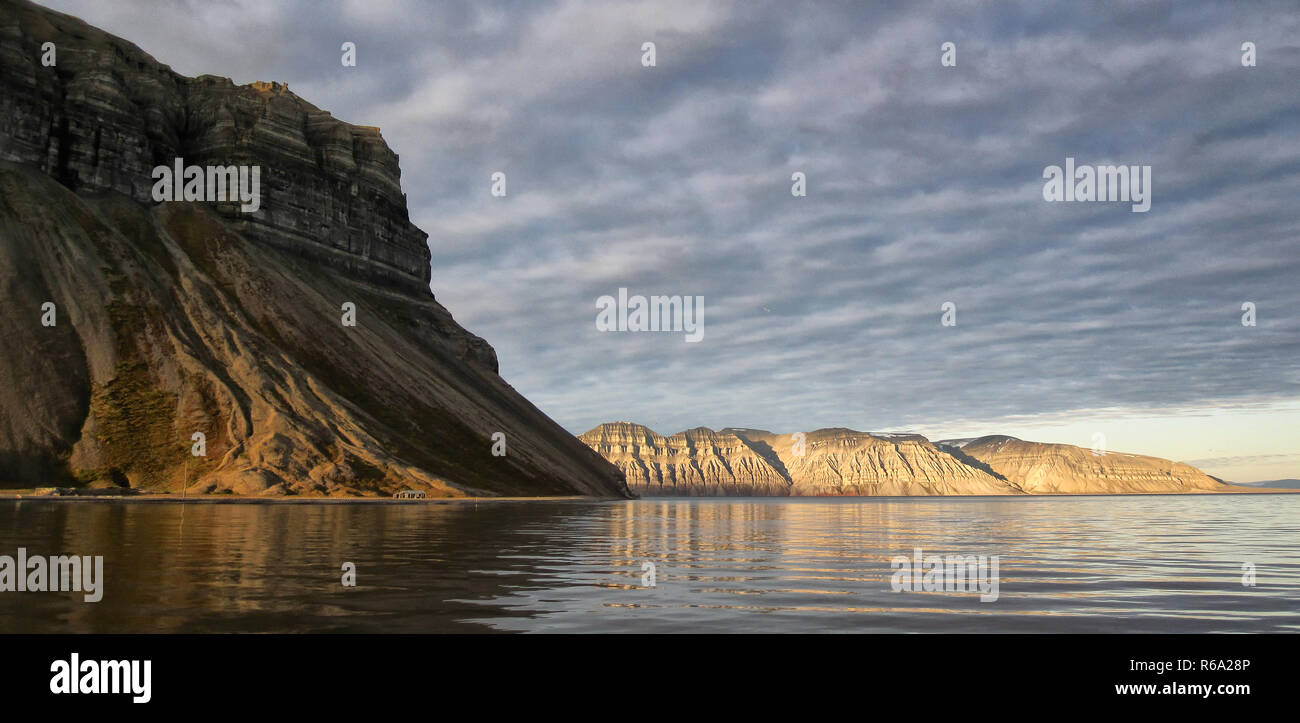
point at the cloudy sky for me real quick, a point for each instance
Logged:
(924, 186)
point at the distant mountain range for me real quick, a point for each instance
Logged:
(1276, 484)
(845, 462)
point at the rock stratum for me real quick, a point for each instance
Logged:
(844, 462)
(1042, 468)
(183, 317)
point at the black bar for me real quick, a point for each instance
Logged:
(939, 673)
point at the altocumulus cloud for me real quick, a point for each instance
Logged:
(924, 186)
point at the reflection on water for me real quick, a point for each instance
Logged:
(1085, 564)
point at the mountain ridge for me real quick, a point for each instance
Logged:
(843, 462)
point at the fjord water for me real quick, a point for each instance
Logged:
(1067, 564)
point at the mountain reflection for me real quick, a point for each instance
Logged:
(1114, 564)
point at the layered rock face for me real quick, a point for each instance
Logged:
(830, 462)
(106, 113)
(130, 327)
(844, 462)
(695, 463)
(1040, 468)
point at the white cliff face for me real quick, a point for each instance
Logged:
(697, 462)
(1041, 468)
(844, 462)
(860, 464)
(752, 462)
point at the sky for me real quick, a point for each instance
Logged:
(924, 186)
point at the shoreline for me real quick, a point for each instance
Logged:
(236, 499)
(250, 500)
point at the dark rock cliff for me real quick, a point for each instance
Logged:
(107, 113)
(178, 318)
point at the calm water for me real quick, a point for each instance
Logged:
(1085, 564)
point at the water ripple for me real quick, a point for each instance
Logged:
(1086, 564)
